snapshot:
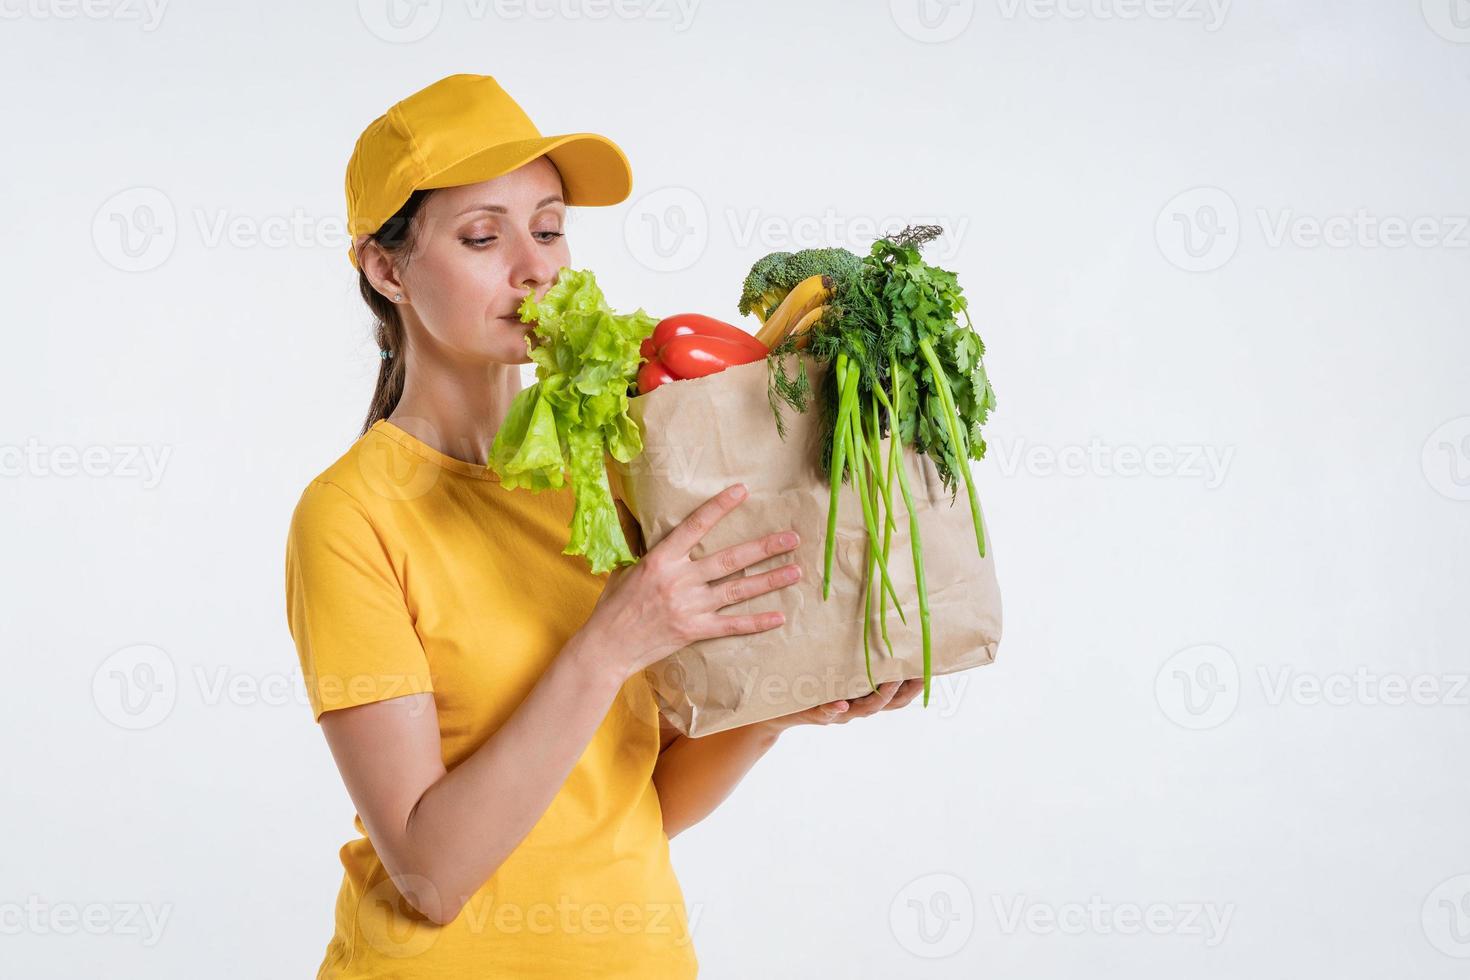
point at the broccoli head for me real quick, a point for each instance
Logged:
(759, 292)
(772, 277)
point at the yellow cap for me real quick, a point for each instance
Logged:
(461, 130)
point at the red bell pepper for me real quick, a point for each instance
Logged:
(695, 356)
(652, 374)
(696, 324)
(691, 345)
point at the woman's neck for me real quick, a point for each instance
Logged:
(457, 412)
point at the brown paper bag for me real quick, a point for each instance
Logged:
(702, 435)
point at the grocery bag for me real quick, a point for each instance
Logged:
(700, 436)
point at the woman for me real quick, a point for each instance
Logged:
(482, 693)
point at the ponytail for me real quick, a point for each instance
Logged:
(395, 238)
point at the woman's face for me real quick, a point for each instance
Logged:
(478, 248)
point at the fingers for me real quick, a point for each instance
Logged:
(910, 690)
(688, 533)
(747, 553)
(830, 712)
(871, 704)
(750, 586)
(718, 625)
(890, 694)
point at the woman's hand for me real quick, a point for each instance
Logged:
(666, 601)
(890, 695)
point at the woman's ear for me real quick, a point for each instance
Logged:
(380, 270)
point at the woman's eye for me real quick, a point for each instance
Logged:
(548, 236)
(478, 242)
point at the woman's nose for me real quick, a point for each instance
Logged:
(534, 267)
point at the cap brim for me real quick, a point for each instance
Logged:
(594, 170)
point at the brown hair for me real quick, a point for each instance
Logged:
(396, 237)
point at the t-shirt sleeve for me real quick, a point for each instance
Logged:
(345, 607)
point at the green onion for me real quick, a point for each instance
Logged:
(855, 454)
(915, 545)
(839, 450)
(961, 445)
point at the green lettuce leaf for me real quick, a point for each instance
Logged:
(577, 411)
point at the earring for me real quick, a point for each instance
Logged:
(398, 297)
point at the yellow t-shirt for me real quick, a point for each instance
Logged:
(408, 570)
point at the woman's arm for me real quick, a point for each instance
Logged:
(695, 775)
(441, 834)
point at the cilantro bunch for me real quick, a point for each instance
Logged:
(577, 410)
(945, 392)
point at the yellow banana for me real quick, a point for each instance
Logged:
(805, 323)
(804, 297)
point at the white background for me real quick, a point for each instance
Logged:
(1234, 690)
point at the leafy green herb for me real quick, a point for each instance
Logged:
(900, 324)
